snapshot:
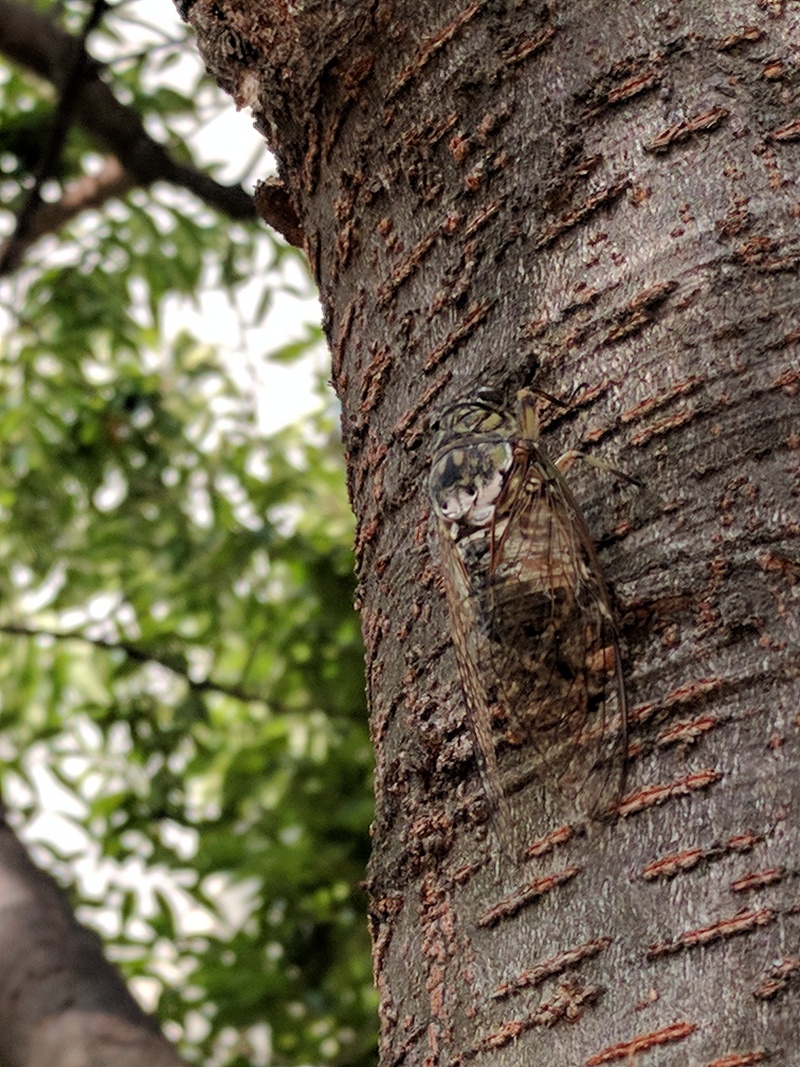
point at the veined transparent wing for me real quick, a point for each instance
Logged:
(529, 612)
(556, 660)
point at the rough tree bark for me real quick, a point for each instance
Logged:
(605, 194)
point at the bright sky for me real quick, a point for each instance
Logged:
(238, 153)
(230, 141)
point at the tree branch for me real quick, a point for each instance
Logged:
(71, 77)
(33, 41)
(138, 655)
(92, 190)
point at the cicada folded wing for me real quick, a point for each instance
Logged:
(557, 660)
(529, 611)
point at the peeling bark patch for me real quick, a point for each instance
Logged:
(749, 33)
(569, 1003)
(758, 879)
(678, 862)
(551, 967)
(433, 45)
(738, 1059)
(684, 388)
(683, 733)
(599, 199)
(742, 923)
(663, 426)
(626, 1050)
(778, 978)
(789, 132)
(652, 795)
(525, 895)
(475, 315)
(546, 844)
(684, 131)
(640, 312)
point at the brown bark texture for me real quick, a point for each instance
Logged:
(604, 195)
(61, 1003)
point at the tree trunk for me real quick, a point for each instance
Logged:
(604, 196)
(61, 1003)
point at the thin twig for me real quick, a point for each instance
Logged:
(138, 655)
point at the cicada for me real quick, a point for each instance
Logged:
(531, 621)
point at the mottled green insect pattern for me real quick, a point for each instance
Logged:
(531, 623)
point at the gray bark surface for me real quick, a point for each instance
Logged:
(606, 196)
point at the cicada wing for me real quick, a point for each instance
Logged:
(555, 656)
(472, 647)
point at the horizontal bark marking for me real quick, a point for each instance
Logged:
(524, 895)
(741, 923)
(599, 199)
(663, 426)
(692, 692)
(642, 1043)
(403, 271)
(789, 380)
(568, 1003)
(342, 338)
(645, 407)
(749, 33)
(677, 862)
(789, 132)
(555, 965)
(652, 795)
(374, 380)
(640, 311)
(404, 429)
(433, 45)
(475, 315)
(758, 879)
(638, 83)
(480, 218)
(546, 844)
(682, 733)
(684, 131)
(738, 1059)
(521, 50)
(778, 978)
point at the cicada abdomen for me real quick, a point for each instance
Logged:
(531, 623)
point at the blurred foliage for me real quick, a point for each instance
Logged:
(180, 664)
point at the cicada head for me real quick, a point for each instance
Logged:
(471, 459)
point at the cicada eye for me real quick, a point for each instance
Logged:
(491, 396)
